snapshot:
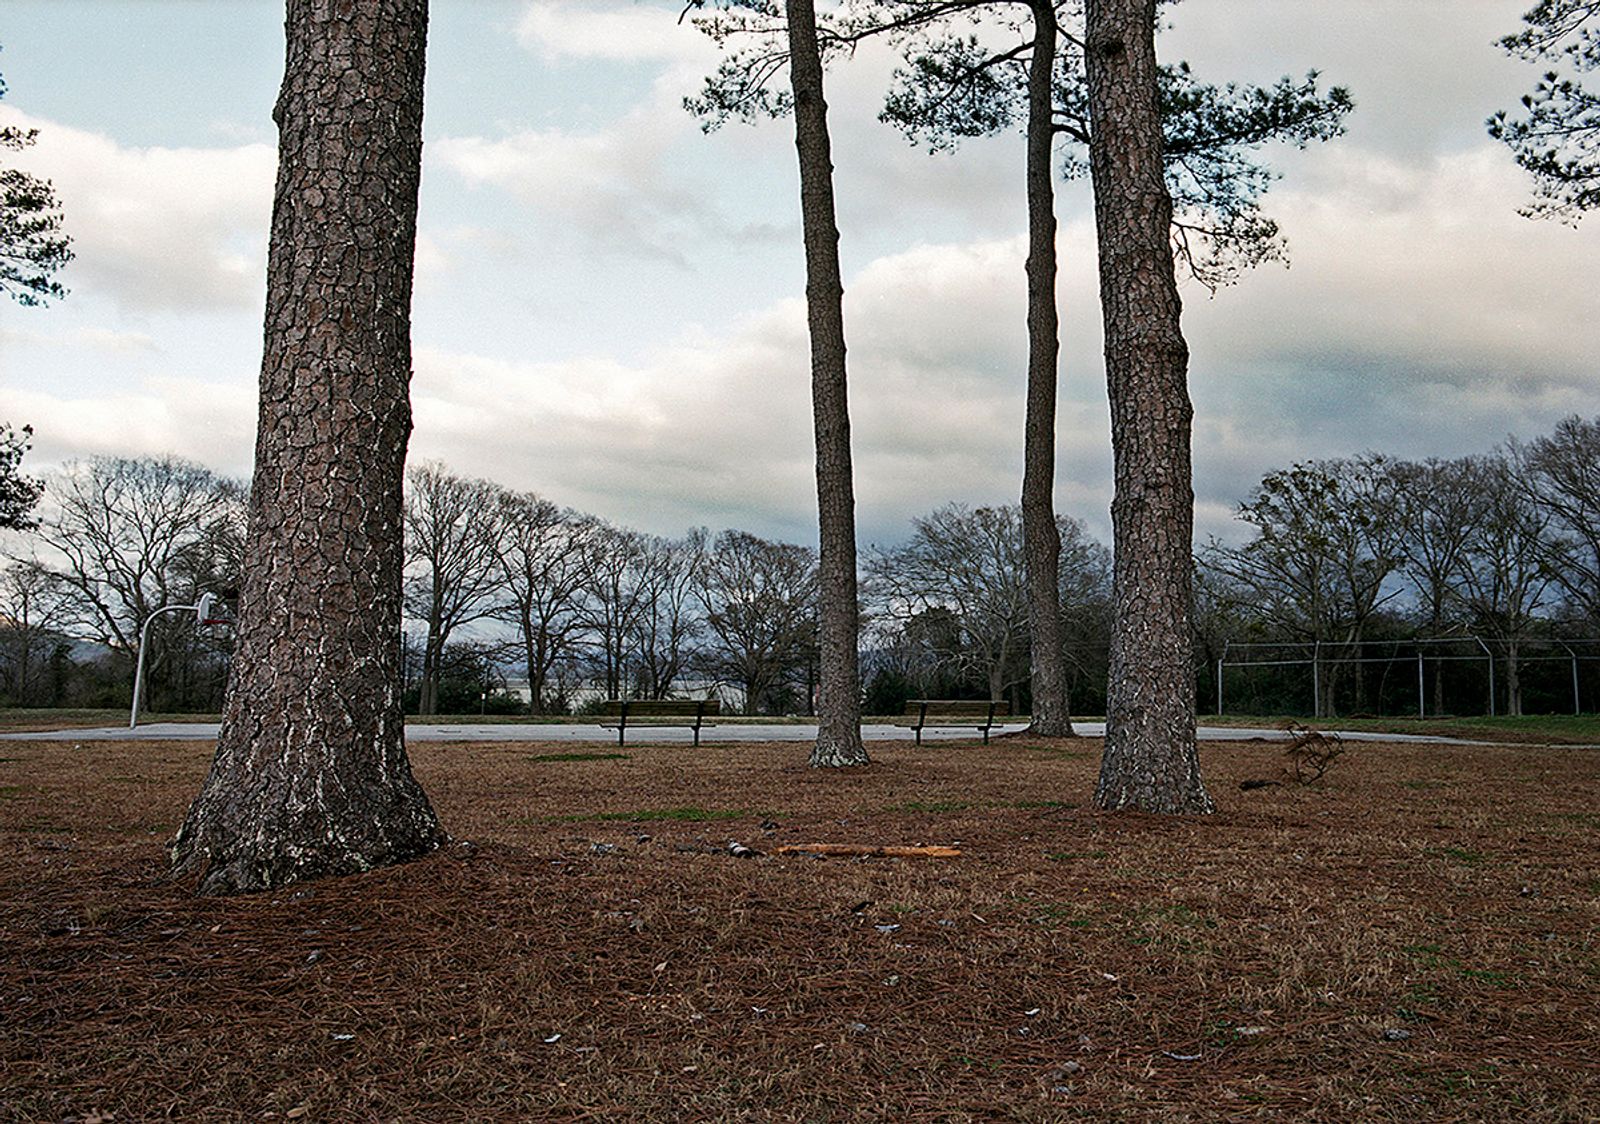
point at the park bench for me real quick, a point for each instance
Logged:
(624, 714)
(979, 714)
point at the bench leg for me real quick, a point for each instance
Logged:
(697, 735)
(919, 735)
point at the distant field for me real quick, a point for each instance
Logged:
(1417, 937)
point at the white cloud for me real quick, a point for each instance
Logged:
(209, 422)
(103, 340)
(716, 428)
(612, 188)
(612, 32)
(157, 227)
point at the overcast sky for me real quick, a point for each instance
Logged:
(609, 304)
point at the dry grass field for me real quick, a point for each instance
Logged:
(1416, 937)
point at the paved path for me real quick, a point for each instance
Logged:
(728, 732)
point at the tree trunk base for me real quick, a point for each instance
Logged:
(1050, 728)
(246, 849)
(835, 751)
(1147, 768)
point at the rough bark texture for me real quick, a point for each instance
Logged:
(839, 690)
(1150, 761)
(1041, 539)
(310, 776)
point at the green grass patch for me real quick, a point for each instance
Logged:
(541, 757)
(1041, 804)
(1073, 856)
(8, 791)
(1059, 913)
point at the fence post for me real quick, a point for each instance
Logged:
(1316, 679)
(1490, 656)
(1221, 660)
(1576, 710)
(1422, 691)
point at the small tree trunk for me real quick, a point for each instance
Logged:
(432, 657)
(839, 690)
(310, 776)
(1041, 540)
(1150, 761)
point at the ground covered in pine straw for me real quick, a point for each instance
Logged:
(1416, 937)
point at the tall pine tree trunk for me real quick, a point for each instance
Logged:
(310, 776)
(1150, 761)
(839, 692)
(1041, 540)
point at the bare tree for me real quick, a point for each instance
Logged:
(760, 602)
(1506, 576)
(1562, 473)
(669, 623)
(310, 776)
(1150, 761)
(614, 600)
(962, 568)
(127, 536)
(1329, 537)
(30, 616)
(452, 541)
(1438, 512)
(547, 559)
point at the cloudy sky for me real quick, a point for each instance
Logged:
(609, 305)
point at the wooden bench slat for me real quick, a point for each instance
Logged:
(979, 714)
(619, 714)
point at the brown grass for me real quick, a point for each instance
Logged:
(1413, 938)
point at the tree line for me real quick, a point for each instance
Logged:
(503, 583)
(1503, 545)
(1343, 553)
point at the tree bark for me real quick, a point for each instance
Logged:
(839, 690)
(1040, 536)
(1150, 761)
(310, 776)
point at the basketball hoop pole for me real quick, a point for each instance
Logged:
(202, 615)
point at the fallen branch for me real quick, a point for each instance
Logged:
(870, 850)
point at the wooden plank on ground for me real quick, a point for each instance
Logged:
(890, 852)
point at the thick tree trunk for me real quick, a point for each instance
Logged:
(839, 690)
(1150, 761)
(310, 776)
(1041, 540)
